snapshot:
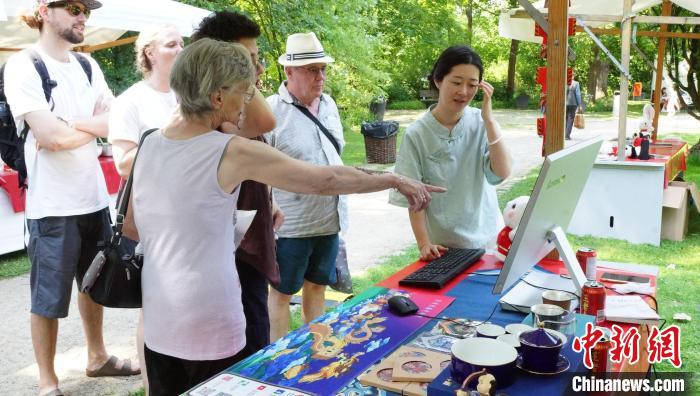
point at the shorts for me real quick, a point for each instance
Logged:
(61, 249)
(311, 259)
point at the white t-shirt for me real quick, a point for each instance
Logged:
(139, 109)
(68, 182)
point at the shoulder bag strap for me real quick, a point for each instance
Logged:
(126, 194)
(85, 64)
(323, 128)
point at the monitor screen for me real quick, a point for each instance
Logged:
(548, 213)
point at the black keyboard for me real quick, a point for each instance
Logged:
(435, 274)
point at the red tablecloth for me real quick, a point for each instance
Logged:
(675, 150)
(9, 182)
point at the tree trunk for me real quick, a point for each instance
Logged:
(512, 60)
(593, 71)
(469, 11)
(604, 71)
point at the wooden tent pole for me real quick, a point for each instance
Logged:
(624, 81)
(642, 33)
(97, 47)
(557, 47)
(665, 11)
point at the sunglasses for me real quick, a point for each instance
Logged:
(72, 8)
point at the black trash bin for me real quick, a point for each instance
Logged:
(380, 141)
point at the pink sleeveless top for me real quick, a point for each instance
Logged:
(191, 292)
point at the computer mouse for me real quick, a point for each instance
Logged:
(402, 306)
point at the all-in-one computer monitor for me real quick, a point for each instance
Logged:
(548, 213)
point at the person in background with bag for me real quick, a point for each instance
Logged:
(308, 129)
(193, 316)
(149, 103)
(574, 105)
(67, 201)
(255, 257)
(459, 147)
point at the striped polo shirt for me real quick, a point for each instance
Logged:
(299, 137)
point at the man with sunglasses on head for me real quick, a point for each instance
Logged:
(255, 257)
(66, 200)
(308, 129)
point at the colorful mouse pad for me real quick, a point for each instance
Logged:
(328, 353)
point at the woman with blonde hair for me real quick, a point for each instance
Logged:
(148, 104)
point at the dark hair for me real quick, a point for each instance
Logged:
(226, 26)
(451, 57)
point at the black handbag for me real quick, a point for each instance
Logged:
(114, 276)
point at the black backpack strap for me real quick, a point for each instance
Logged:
(46, 82)
(125, 194)
(85, 64)
(317, 122)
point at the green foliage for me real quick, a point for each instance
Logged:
(601, 105)
(117, 64)
(388, 47)
(353, 80)
(411, 34)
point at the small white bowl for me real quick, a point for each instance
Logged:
(510, 339)
(517, 328)
(489, 330)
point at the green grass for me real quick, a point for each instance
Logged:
(13, 264)
(406, 105)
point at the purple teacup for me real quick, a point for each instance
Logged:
(540, 349)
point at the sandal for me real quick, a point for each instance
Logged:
(109, 369)
(55, 392)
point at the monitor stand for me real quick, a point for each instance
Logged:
(566, 253)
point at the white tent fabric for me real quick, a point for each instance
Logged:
(524, 28)
(105, 24)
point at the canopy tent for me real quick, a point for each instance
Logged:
(513, 27)
(105, 25)
(517, 24)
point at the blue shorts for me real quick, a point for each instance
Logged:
(311, 259)
(61, 249)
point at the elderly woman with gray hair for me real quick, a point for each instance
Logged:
(186, 182)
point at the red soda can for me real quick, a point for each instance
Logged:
(588, 260)
(600, 355)
(593, 300)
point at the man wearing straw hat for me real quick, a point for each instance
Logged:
(308, 129)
